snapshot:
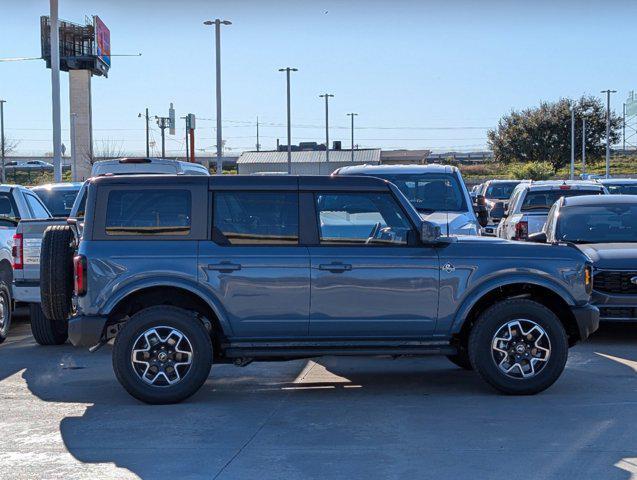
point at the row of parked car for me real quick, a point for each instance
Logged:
(183, 270)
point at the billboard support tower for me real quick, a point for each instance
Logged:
(630, 122)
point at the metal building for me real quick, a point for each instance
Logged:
(308, 162)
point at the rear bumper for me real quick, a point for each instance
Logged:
(26, 291)
(85, 330)
(587, 318)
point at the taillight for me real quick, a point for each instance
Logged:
(17, 252)
(521, 231)
(79, 277)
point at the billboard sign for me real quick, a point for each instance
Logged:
(631, 104)
(102, 41)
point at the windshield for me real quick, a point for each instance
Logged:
(598, 224)
(58, 201)
(623, 189)
(543, 200)
(430, 192)
(500, 191)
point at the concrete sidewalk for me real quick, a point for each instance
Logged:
(65, 416)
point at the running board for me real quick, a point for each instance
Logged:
(319, 348)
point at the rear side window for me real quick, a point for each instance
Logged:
(148, 212)
(35, 205)
(256, 218)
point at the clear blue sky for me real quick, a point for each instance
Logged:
(414, 71)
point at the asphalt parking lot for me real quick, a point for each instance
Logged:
(65, 416)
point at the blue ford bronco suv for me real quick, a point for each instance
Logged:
(186, 271)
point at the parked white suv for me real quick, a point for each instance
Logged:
(530, 204)
(438, 193)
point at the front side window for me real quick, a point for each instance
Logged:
(148, 212)
(361, 219)
(430, 192)
(598, 224)
(35, 205)
(542, 200)
(256, 218)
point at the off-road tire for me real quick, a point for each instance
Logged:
(56, 272)
(5, 298)
(167, 316)
(496, 316)
(45, 331)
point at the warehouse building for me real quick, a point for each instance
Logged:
(305, 162)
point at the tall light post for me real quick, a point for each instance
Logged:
(217, 23)
(2, 152)
(572, 142)
(583, 145)
(287, 71)
(624, 129)
(55, 92)
(352, 115)
(608, 92)
(327, 97)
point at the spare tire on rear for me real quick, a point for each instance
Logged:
(56, 272)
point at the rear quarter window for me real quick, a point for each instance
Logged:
(148, 212)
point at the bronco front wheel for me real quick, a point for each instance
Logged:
(162, 355)
(518, 346)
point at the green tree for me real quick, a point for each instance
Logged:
(543, 134)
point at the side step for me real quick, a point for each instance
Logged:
(304, 349)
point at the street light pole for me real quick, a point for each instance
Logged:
(352, 115)
(2, 152)
(624, 129)
(583, 145)
(608, 92)
(287, 71)
(572, 142)
(327, 97)
(217, 23)
(55, 92)
(163, 123)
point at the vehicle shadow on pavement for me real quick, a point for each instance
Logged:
(339, 417)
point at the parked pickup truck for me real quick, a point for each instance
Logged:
(186, 271)
(16, 202)
(48, 273)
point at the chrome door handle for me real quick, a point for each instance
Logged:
(335, 267)
(224, 267)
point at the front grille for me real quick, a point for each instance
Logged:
(615, 282)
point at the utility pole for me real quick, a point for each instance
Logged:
(352, 115)
(2, 147)
(624, 128)
(572, 142)
(287, 71)
(55, 92)
(147, 118)
(608, 92)
(217, 23)
(163, 123)
(258, 144)
(583, 146)
(187, 133)
(327, 97)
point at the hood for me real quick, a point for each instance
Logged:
(460, 223)
(619, 256)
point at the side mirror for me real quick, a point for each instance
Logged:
(539, 237)
(481, 200)
(482, 214)
(429, 232)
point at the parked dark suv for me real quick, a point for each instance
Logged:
(186, 271)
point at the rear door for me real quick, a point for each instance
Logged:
(370, 277)
(254, 264)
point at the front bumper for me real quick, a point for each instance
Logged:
(86, 330)
(587, 319)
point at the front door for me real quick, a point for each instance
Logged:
(254, 265)
(370, 278)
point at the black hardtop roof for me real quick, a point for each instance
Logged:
(593, 200)
(247, 182)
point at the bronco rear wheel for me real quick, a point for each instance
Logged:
(163, 354)
(518, 346)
